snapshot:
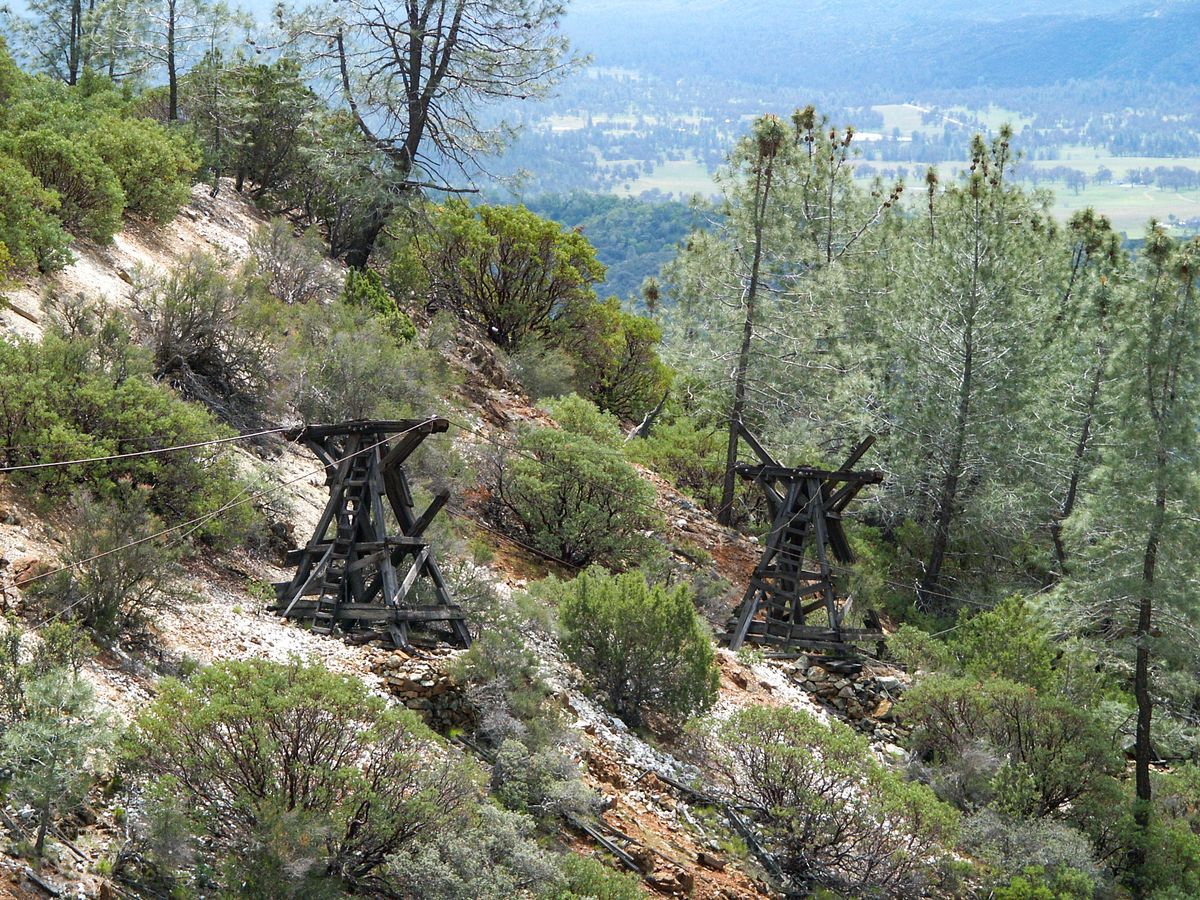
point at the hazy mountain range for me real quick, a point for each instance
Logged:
(893, 44)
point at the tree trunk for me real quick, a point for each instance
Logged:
(39, 844)
(74, 48)
(1081, 446)
(1142, 749)
(172, 79)
(929, 592)
(762, 191)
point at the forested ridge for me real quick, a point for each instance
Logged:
(216, 232)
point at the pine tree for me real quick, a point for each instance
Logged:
(1136, 529)
(958, 360)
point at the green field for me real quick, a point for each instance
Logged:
(683, 177)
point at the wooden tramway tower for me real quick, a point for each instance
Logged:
(795, 579)
(348, 576)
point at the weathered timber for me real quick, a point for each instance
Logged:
(352, 564)
(806, 539)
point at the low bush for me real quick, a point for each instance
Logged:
(572, 497)
(29, 228)
(117, 574)
(85, 390)
(829, 810)
(292, 269)
(204, 338)
(543, 369)
(643, 648)
(155, 166)
(364, 288)
(1031, 853)
(618, 363)
(496, 857)
(298, 777)
(341, 362)
(691, 455)
(90, 197)
(965, 730)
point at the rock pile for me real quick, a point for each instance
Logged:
(424, 684)
(867, 697)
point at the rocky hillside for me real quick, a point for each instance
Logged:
(658, 816)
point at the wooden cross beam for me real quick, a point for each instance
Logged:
(352, 564)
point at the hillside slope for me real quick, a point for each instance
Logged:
(650, 815)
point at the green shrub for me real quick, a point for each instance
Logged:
(28, 225)
(83, 391)
(342, 363)
(690, 455)
(90, 197)
(580, 416)
(1064, 747)
(1006, 642)
(572, 497)
(543, 369)
(619, 367)
(510, 272)
(496, 857)
(154, 166)
(829, 810)
(643, 648)
(292, 269)
(364, 288)
(590, 879)
(118, 575)
(916, 649)
(1031, 854)
(1035, 883)
(295, 774)
(205, 338)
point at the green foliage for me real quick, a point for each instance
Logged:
(250, 121)
(916, 649)
(1031, 854)
(510, 272)
(496, 857)
(1006, 642)
(1034, 883)
(89, 193)
(364, 288)
(153, 165)
(29, 229)
(204, 336)
(341, 362)
(643, 648)
(54, 751)
(965, 728)
(572, 497)
(543, 369)
(295, 774)
(85, 391)
(830, 811)
(579, 416)
(590, 879)
(619, 367)
(117, 573)
(688, 453)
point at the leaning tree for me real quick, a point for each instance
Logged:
(415, 77)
